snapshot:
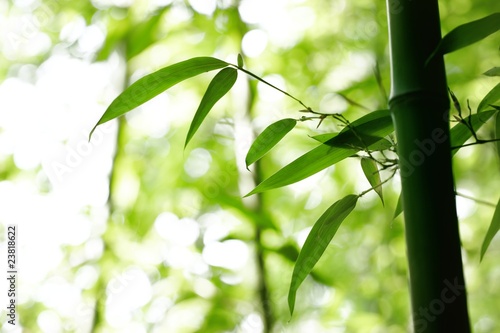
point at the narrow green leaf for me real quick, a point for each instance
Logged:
(370, 169)
(155, 83)
(332, 151)
(268, 139)
(382, 144)
(491, 98)
(492, 230)
(399, 206)
(467, 34)
(218, 87)
(497, 133)
(240, 60)
(318, 239)
(459, 134)
(495, 71)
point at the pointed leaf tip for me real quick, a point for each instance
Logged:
(218, 87)
(155, 83)
(492, 230)
(372, 174)
(317, 241)
(491, 97)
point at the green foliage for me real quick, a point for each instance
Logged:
(266, 140)
(462, 132)
(219, 86)
(492, 230)
(372, 174)
(467, 34)
(318, 239)
(495, 71)
(399, 207)
(155, 83)
(497, 131)
(491, 98)
(361, 134)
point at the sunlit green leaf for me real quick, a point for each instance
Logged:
(268, 139)
(399, 207)
(218, 87)
(332, 151)
(491, 98)
(492, 230)
(370, 169)
(495, 71)
(467, 34)
(155, 83)
(318, 239)
(240, 60)
(459, 134)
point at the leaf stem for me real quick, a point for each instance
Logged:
(379, 185)
(478, 142)
(475, 199)
(269, 84)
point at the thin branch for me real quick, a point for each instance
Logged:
(478, 142)
(269, 84)
(379, 185)
(487, 203)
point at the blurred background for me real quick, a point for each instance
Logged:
(130, 232)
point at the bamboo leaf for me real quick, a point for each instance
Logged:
(467, 34)
(491, 97)
(382, 144)
(240, 60)
(399, 206)
(268, 139)
(459, 134)
(492, 230)
(155, 83)
(318, 239)
(370, 169)
(332, 151)
(495, 71)
(497, 133)
(218, 87)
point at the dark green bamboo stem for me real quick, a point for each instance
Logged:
(419, 106)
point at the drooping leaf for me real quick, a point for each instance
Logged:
(318, 239)
(155, 83)
(491, 98)
(240, 60)
(268, 139)
(467, 34)
(495, 71)
(218, 87)
(399, 206)
(459, 134)
(492, 230)
(347, 143)
(370, 169)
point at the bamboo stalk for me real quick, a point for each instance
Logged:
(420, 109)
